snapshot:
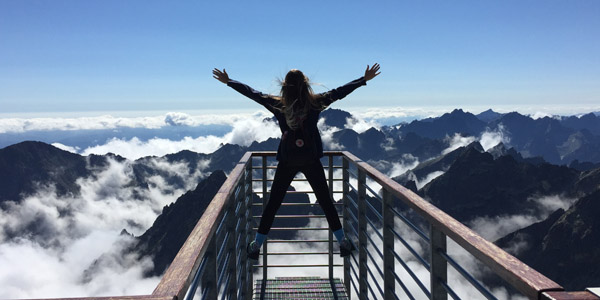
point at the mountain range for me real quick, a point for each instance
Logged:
(534, 159)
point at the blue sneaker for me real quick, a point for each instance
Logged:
(346, 247)
(253, 250)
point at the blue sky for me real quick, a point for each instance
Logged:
(65, 56)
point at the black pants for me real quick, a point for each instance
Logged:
(283, 177)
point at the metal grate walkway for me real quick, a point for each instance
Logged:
(300, 288)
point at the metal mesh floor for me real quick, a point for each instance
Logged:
(300, 288)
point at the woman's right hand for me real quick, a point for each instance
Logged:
(369, 73)
(220, 75)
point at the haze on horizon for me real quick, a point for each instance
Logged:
(95, 56)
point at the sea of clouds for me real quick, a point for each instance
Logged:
(50, 244)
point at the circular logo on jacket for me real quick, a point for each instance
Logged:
(299, 143)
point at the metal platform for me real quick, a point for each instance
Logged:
(300, 288)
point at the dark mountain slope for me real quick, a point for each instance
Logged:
(417, 146)
(588, 121)
(478, 185)
(163, 240)
(564, 248)
(441, 163)
(25, 165)
(534, 137)
(367, 145)
(588, 182)
(580, 145)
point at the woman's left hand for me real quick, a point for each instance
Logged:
(220, 75)
(372, 72)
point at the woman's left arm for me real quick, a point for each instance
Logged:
(343, 91)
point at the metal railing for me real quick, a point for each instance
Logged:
(262, 188)
(398, 236)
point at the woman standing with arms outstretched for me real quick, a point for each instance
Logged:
(297, 110)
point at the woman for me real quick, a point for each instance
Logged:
(297, 110)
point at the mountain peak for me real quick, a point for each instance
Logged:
(457, 121)
(476, 146)
(489, 115)
(28, 164)
(336, 117)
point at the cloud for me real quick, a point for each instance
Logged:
(66, 148)
(327, 136)
(361, 125)
(421, 182)
(243, 133)
(110, 122)
(248, 130)
(136, 148)
(408, 162)
(493, 228)
(550, 203)
(49, 245)
(388, 145)
(456, 142)
(487, 139)
(490, 139)
(540, 115)
(179, 119)
(395, 115)
(31, 271)
(83, 123)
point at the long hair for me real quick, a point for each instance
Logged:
(297, 98)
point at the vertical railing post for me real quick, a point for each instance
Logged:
(345, 224)
(249, 198)
(362, 235)
(209, 279)
(389, 283)
(439, 266)
(330, 173)
(231, 250)
(265, 200)
(243, 220)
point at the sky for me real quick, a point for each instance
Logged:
(96, 56)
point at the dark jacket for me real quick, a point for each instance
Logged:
(310, 123)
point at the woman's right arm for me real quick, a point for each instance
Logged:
(263, 99)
